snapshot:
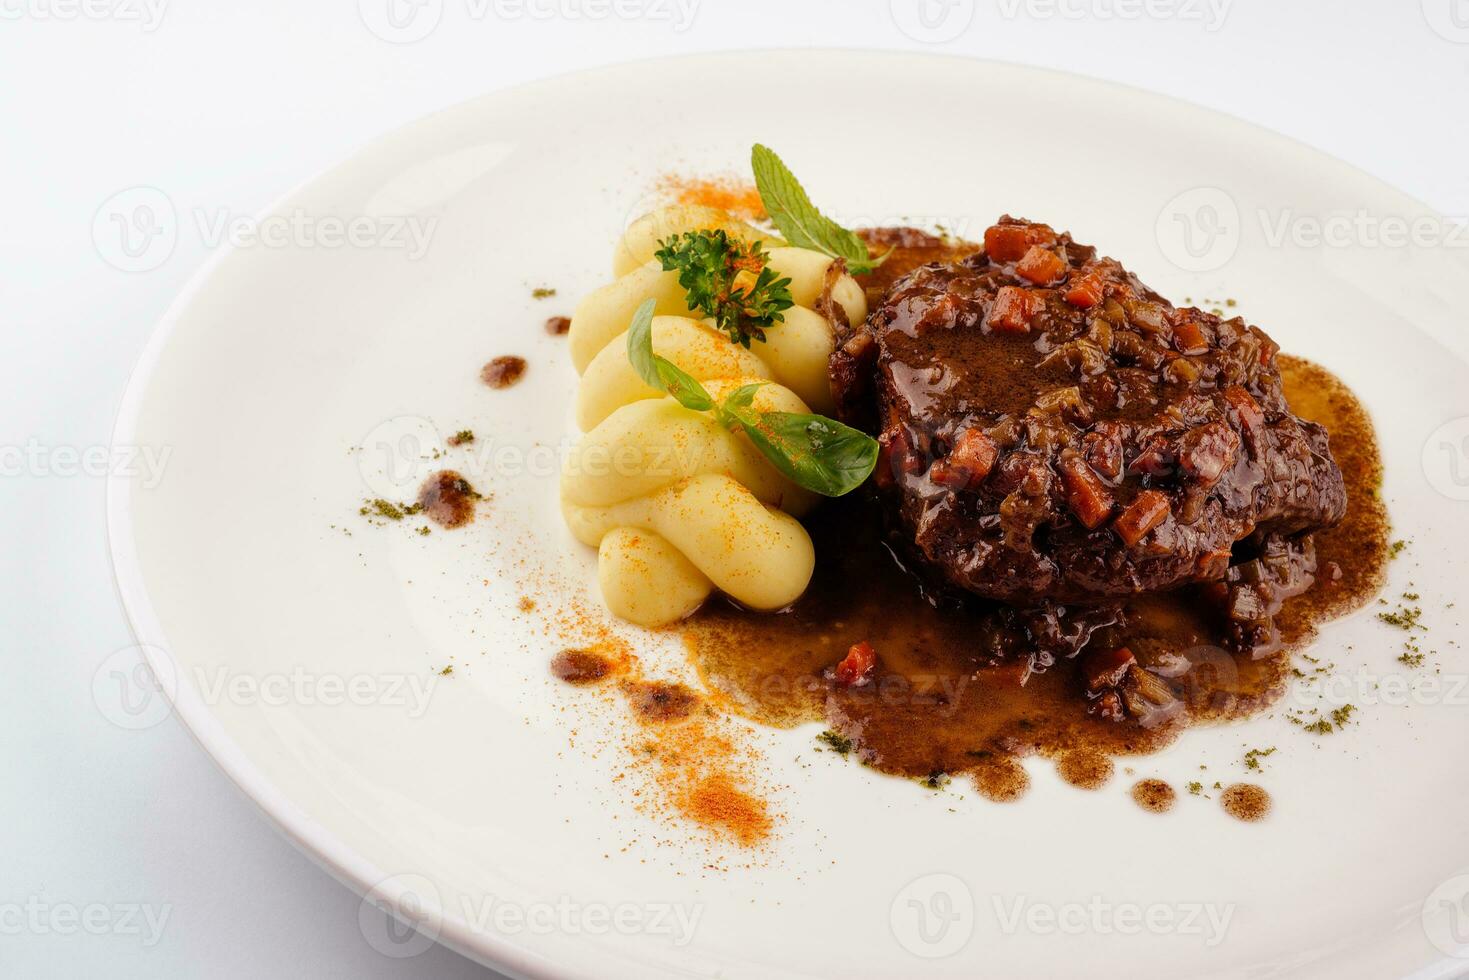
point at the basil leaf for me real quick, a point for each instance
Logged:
(812, 451)
(659, 372)
(640, 344)
(798, 219)
(743, 396)
(684, 387)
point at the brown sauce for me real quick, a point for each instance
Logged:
(1154, 795)
(1245, 801)
(934, 707)
(447, 499)
(502, 372)
(1085, 768)
(580, 667)
(659, 701)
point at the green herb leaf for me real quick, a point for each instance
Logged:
(812, 451)
(640, 344)
(743, 396)
(728, 281)
(657, 371)
(798, 219)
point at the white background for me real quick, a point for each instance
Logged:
(224, 107)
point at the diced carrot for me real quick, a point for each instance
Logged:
(945, 474)
(974, 451)
(1007, 243)
(1084, 292)
(1188, 338)
(1247, 410)
(856, 667)
(1012, 309)
(1147, 510)
(1104, 668)
(1041, 266)
(1268, 348)
(1089, 499)
(895, 456)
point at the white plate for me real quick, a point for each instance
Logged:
(282, 357)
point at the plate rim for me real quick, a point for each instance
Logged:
(326, 850)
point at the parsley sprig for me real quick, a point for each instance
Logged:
(728, 280)
(812, 451)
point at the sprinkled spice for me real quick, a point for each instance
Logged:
(543, 292)
(502, 372)
(935, 780)
(461, 438)
(1322, 724)
(525, 604)
(838, 743)
(1245, 801)
(1153, 795)
(558, 325)
(1404, 617)
(738, 197)
(447, 671)
(717, 802)
(1195, 788)
(1253, 757)
(447, 499)
(385, 509)
(1396, 548)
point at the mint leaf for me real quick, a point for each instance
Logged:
(798, 219)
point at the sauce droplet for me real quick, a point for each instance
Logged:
(502, 372)
(659, 701)
(1154, 795)
(447, 499)
(1245, 801)
(580, 667)
(1001, 779)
